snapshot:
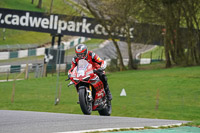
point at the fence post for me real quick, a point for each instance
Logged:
(13, 92)
(52, 70)
(58, 59)
(8, 74)
(14, 85)
(26, 73)
(37, 71)
(41, 70)
(45, 70)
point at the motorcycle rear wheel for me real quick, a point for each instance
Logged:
(107, 110)
(86, 106)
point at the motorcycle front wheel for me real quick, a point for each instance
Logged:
(85, 104)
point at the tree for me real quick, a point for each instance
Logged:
(121, 15)
(125, 13)
(32, 1)
(39, 4)
(156, 9)
(95, 9)
(51, 7)
(181, 44)
(120, 20)
(190, 12)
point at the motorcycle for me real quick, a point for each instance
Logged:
(90, 88)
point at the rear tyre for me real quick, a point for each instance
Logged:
(86, 105)
(107, 110)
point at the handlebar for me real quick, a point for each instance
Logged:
(98, 70)
(67, 79)
(94, 70)
(70, 83)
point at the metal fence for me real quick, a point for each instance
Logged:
(34, 66)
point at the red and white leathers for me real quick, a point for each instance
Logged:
(92, 58)
(97, 63)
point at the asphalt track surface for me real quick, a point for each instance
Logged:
(42, 122)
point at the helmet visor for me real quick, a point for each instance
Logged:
(80, 55)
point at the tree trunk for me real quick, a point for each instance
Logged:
(130, 62)
(32, 2)
(51, 7)
(168, 61)
(39, 4)
(167, 47)
(121, 65)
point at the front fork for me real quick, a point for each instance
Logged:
(89, 91)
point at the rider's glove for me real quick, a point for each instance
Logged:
(100, 70)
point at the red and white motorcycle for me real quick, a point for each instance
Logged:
(92, 96)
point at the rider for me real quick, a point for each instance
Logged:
(97, 63)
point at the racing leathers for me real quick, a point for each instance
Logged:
(99, 65)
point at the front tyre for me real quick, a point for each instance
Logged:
(86, 105)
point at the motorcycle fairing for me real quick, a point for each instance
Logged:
(83, 75)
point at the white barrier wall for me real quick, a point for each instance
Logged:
(145, 61)
(62, 67)
(40, 51)
(5, 68)
(4, 55)
(125, 61)
(22, 53)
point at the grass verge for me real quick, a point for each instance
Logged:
(28, 37)
(156, 53)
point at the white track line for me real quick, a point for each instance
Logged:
(110, 129)
(9, 80)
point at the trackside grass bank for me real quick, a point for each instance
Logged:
(161, 93)
(29, 37)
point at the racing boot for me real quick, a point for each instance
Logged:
(105, 83)
(108, 93)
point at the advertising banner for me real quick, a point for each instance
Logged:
(55, 24)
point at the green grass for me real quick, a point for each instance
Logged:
(14, 37)
(153, 65)
(59, 6)
(28, 37)
(19, 4)
(156, 53)
(176, 90)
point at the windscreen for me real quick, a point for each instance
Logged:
(82, 66)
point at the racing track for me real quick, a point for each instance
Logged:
(41, 122)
